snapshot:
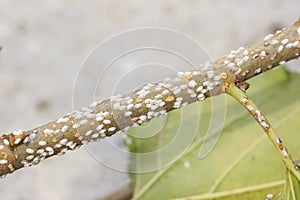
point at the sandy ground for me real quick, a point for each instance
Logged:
(45, 44)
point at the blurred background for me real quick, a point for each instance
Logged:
(45, 43)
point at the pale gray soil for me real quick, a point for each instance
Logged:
(45, 43)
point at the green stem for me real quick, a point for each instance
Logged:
(291, 191)
(239, 95)
(231, 193)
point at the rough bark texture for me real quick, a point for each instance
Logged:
(105, 118)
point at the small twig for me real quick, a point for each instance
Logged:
(241, 96)
(105, 118)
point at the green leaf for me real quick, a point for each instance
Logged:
(242, 165)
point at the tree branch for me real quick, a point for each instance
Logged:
(105, 118)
